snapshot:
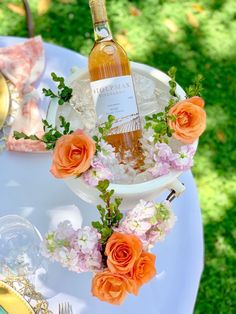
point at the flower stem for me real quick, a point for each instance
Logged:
(109, 210)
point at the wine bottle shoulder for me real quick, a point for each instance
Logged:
(99, 47)
(108, 59)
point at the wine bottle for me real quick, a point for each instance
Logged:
(113, 90)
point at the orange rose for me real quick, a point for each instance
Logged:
(111, 288)
(190, 120)
(72, 155)
(122, 251)
(144, 269)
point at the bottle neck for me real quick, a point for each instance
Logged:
(101, 27)
(102, 31)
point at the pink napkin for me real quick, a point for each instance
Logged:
(23, 65)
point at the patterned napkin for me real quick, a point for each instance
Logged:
(22, 65)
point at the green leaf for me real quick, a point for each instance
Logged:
(118, 201)
(21, 135)
(148, 125)
(160, 114)
(66, 93)
(50, 146)
(148, 118)
(49, 93)
(103, 185)
(111, 192)
(196, 88)
(100, 130)
(61, 102)
(172, 82)
(101, 210)
(111, 119)
(172, 72)
(169, 132)
(62, 120)
(46, 124)
(160, 128)
(34, 138)
(106, 232)
(119, 216)
(95, 138)
(172, 117)
(108, 216)
(18, 135)
(58, 79)
(103, 197)
(97, 225)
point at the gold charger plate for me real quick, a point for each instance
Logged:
(11, 302)
(4, 100)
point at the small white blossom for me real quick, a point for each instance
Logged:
(64, 230)
(86, 239)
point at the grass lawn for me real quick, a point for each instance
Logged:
(198, 37)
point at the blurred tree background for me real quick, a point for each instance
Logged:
(197, 37)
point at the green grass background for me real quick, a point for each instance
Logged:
(197, 37)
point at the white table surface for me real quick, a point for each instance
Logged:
(28, 189)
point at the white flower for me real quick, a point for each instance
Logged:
(183, 160)
(67, 257)
(96, 173)
(143, 210)
(86, 239)
(160, 169)
(107, 153)
(78, 251)
(64, 230)
(150, 222)
(139, 227)
(162, 152)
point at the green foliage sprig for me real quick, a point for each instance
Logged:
(103, 131)
(196, 88)
(110, 214)
(158, 122)
(64, 93)
(51, 134)
(172, 83)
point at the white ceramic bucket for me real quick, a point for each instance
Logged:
(147, 80)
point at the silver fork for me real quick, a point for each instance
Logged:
(65, 308)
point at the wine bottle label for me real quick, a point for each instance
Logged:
(115, 96)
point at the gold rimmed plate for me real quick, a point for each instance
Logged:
(11, 302)
(4, 100)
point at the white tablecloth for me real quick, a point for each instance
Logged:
(28, 189)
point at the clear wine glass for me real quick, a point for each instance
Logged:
(20, 245)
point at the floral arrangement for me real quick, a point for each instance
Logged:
(117, 247)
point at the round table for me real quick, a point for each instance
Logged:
(28, 189)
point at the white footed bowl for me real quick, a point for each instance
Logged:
(148, 82)
(130, 193)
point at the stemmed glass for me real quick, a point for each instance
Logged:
(20, 245)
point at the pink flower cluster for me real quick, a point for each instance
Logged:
(165, 159)
(81, 250)
(77, 250)
(148, 221)
(100, 165)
